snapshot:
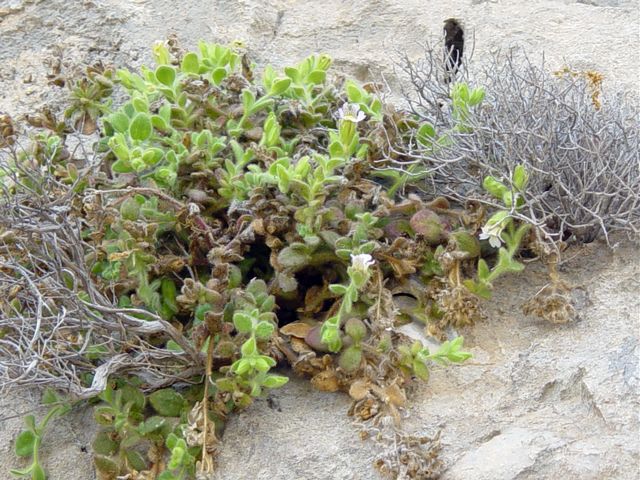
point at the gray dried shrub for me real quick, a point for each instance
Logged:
(579, 144)
(56, 328)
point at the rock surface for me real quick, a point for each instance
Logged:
(538, 401)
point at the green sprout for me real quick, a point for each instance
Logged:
(29, 440)
(359, 275)
(501, 228)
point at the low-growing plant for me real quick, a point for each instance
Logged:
(229, 223)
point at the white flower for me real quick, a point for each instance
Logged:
(351, 112)
(362, 262)
(493, 229)
(494, 240)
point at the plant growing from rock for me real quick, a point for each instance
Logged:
(228, 223)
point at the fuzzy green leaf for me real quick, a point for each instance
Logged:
(421, 370)
(106, 466)
(136, 460)
(190, 63)
(25, 444)
(354, 93)
(103, 444)
(350, 358)
(280, 86)
(166, 75)
(218, 75)
(264, 330)
(476, 97)
(316, 77)
(274, 381)
(292, 73)
(494, 187)
(249, 347)
(426, 133)
(338, 289)
(140, 128)
(483, 270)
(243, 322)
(481, 289)
(520, 177)
(167, 402)
(293, 258)
(38, 473)
(119, 121)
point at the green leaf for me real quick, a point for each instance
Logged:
(324, 62)
(520, 177)
(136, 460)
(293, 258)
(481, 289)
(151, 156)
(421, 370)
(483, 270)
(190, 63)
(264, 330)
(103, 444)
(331, 336)
(268, 77)
(167, 475)
(354, 93)
(159, 123)
(218, 75)
(248, 99)
(426, 133)
(140, 104)
(172, 441)
(261, 365)
(167, 402)
(316, 77)
(461, 91)
(292, 73)
(140, 128)
(507, 198)
(161, 54)
(119, 146)
(243, 322)
(350, 358)
(274, 381)
(356, 329)
(338, 289)
(166, 75)
(38, 473)
(50, 396)
(177, 456)
(151, 425)
(494, 187)
(506, 263)
(21, 473)
(477, 95)
(30, 422)
(106, 466)
(241, 366)
(131, 394)
(25, 444)
(280, 86)
(249, 347)
(119, 121)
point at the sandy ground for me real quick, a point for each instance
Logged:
(538, 401)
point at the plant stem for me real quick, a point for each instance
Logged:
(206, 463)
